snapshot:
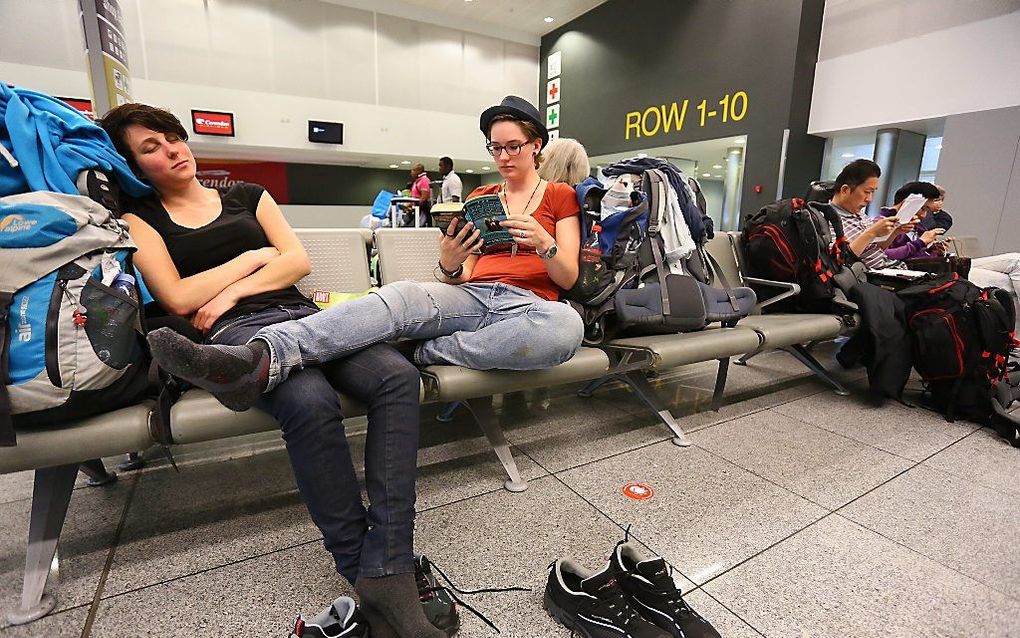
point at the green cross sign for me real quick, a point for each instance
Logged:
(552, 117)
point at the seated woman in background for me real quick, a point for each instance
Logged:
(496, 310)
(912, 240)
(565, 160)
(228, 261)
(938, 218)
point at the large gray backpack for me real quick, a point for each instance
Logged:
(71, 346)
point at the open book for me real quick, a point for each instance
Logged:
(910, 206)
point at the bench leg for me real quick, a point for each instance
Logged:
(720, 384)
(446, 415)
(588, 390)
(742, 361)
(481, 410)
(801, 354)
(639, 384)
(132, 461)
(50, 498)
(97, 473)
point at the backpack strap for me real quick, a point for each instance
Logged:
(657, 200)
(717, 272)
(7, 436)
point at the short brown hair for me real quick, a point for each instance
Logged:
(529, 129)
(116, 121)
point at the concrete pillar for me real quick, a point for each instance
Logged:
(898, 153)
(732, 186)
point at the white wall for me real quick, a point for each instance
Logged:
(306, 216)
(714, 192)
(889, 62)
(401, 87)
(980, 170)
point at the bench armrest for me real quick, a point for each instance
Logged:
(789, 290)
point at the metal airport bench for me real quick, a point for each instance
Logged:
(790, 332)
(339, 262)
(413, 254)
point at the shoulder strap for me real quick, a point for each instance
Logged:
(717, 272)
(657, 199)
(7, 436)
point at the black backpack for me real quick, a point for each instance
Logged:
(789, 240)
(963, 340)
(629, 290)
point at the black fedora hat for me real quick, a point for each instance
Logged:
(516, 107)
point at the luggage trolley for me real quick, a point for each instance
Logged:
(400, 208)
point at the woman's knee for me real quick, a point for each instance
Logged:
(399, 374)
(562, 330)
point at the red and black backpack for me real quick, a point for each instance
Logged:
(963, 337)
(789, 240)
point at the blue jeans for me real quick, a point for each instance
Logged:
(479, 326)
(364, 542)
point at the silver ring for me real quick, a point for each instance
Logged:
(523, 234)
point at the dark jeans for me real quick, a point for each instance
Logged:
(364, 542)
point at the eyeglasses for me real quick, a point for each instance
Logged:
(512, 150)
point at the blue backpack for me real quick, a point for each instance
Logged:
(71, 345)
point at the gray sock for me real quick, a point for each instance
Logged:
(395, 598)
(235, 375)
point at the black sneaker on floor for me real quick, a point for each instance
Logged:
(592, 604)
(650, 588)
(342, 619)
(436, 600)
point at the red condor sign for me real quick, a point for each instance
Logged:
(79, 104)
(226, 173)
(212, 123)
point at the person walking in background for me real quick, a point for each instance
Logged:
(452, 189)
(421, 190)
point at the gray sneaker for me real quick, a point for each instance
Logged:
(341, 619)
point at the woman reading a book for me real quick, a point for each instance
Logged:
(498, 309)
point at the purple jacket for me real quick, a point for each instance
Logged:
(903, 247)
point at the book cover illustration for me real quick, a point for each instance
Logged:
(485, 212)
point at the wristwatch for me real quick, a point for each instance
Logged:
(451, 275)
(550, 252)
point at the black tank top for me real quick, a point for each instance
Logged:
(236, 230)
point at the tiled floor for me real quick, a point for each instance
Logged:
(796, 513)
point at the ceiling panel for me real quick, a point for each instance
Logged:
(524, 16)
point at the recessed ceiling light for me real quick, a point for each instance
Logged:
(406, 162)
(716, 166)
(394, 166)
(486, 168)
(718, 176)
(739, 140)
(548, 18)
(706, 175)
(642, 154)
(471, 170)
(847, 155)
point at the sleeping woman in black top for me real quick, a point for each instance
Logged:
(227, 260)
